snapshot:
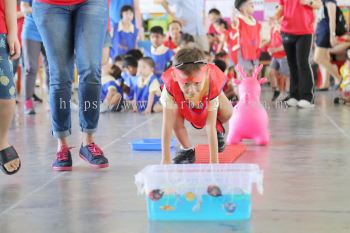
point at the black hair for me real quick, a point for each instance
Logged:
(116, 72)
(157, 30)
(214, 11)
(118, 58)
(136, 53)
(222, 22)
(149, 61)
(187, 38)
(126, 8)
(129, 61)
(221, 55)
(221, 64)
(191, 58)
(175, 22)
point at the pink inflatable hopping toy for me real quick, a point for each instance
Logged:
(249, 119)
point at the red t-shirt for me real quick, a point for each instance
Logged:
(297, 19)
(212, 30)
(169, 43)
(63, 2)
(276, 41)
(3, 27)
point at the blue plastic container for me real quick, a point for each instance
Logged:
(150, 144)
(203, 192)
(178, 208)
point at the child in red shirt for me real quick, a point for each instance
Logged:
(279, 69)
(173, 39)
(193, 92)
(249, 35)
(228, 39)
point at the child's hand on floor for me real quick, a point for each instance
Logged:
(148, 111)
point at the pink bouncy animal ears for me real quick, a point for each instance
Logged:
(241, 71)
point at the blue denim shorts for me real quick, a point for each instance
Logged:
(7, 85)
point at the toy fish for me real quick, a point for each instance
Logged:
(167, 208)
(229, 207)
(156, 195)
(190, 196)
(214, 191)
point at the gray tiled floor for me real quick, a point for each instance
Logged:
(306, 177)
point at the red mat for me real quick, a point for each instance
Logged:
(229, 155)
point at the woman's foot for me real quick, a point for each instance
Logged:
(9, 161)
(94, 156)
(63, 161)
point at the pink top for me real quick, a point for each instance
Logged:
(297, 18)
(62, 2)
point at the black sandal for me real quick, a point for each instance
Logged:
(7, 155)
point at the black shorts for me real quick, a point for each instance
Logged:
(323, 39)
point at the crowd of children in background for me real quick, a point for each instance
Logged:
(132, 80)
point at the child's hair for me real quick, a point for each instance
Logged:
(126, 8)
(116, 72)
(189, 55)
(157, 30)
(222, 22)
(119, 58)
(214, 11)
(149, 61)
(221, 64)
(136, 53)
(175, 22)
(187, 38)
(129, 61)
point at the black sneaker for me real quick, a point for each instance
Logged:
(275, 95)
(37, 99)
(221, 142)
(185, 156)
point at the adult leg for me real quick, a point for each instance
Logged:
(306, 79)
(90, 31)
(59, 45)
(31, 51)
(289, 44)
(322, 58)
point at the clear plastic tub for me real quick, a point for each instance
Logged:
(199, 192)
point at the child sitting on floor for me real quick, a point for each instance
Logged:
(147, 90)
(193, 92)
(345, 83)
(160, 54)
(112, 88)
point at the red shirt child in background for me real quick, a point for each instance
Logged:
(228, 39)
(173, 39)
(279, 68)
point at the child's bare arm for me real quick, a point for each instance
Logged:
(212, 136)
(167, 128)
(11, 24)
(150, 102)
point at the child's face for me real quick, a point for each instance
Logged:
(131, 70)
(248, 8)
(128, 16)
(144, 70)
(189, 88)
(213, 17)
(156, 39)
(175, 30)
(220, 28)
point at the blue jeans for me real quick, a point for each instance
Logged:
(73, 33)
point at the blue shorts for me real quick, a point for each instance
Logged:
(280, 65)
(7, 85)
